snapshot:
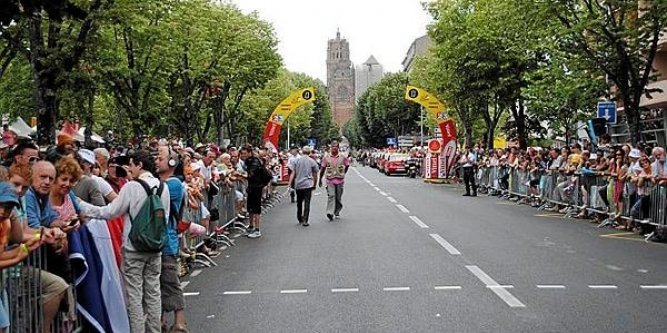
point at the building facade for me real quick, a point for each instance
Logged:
(340, 80)
(369, 73)
(417, 48)
(654, 114)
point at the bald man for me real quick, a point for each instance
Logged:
(38, 208)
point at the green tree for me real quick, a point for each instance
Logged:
(52, 36)
(382, 111)
(619, 38)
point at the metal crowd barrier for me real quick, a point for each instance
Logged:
(25, 299)
(573, 193)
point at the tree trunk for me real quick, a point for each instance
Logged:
(518, 112)
(45, 93)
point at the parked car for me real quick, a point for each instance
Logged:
(395, 164)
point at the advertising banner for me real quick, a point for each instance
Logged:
(295, 100)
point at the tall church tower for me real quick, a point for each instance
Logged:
(340, 80)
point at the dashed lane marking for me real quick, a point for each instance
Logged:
(602, 286)
(396, 289)
(344, 290)
(384, 194)
(449, 247)
(184, 284)
(504, 295)
(663, 287)
(419, 222)
(191, 294)
(403, 209)
(447, 287)
(294, 291)
(392, 200)
(502, 286)
(550, 286)
(196, 272)
(242, 292)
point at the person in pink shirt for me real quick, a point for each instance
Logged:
(334, 166)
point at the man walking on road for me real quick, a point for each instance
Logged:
(334, 166)
(303, 177)
(293, 156)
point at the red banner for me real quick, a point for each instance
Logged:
(433, 165)
(272, 135)
(448, 130)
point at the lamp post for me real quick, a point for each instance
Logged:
(421, 126)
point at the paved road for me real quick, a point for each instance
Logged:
(412, 257)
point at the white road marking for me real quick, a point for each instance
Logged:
(449, 247)
(392, 200)
(196, 272)
(191, 294)
(602, 286)
(372, 185)
(403, 209)
(418, 222)
(447, 287)
(243, 292)
(294, 291)
(503, 286)
(654, 287)
(377, 189)
(384, 194)
(550, 286)
(184, 284)
(614, 268)
(344, 290)
(505, 295)
(396, 289)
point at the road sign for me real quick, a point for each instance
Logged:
(434, 146)
(405, 141)
(312, 142)
(607, 110)
(391, 141)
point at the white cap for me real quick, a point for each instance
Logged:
(635, 153)
(195, 166)
(87, 156)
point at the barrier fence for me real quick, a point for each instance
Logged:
(21, 285)
(579, 194)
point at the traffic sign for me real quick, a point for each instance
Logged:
(405, 141)
(312, 142)
(391, 141)
(607, 110)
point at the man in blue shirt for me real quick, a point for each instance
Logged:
(170, 284)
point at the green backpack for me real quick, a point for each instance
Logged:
(148, 230)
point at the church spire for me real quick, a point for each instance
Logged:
(338, 33)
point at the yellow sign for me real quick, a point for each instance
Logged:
(432, 105)
(499, 142)
(291, 103)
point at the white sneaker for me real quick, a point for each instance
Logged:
(255, 234)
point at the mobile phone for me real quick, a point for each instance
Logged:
(73, 222)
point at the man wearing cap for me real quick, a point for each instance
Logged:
(91, 188)
(303, 178)
(87, 188)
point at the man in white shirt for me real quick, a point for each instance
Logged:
(468, 161)
(141, 270)
(291, 159)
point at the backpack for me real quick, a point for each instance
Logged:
(148, 231)
(261, 177)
